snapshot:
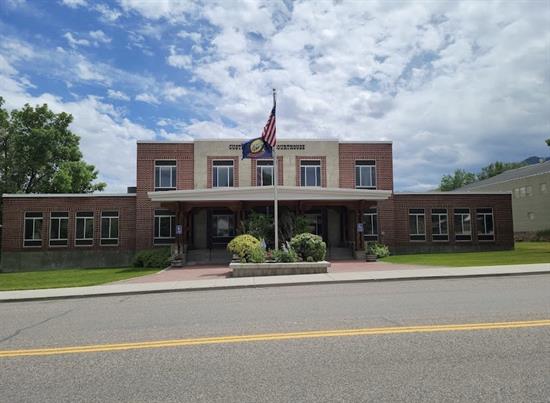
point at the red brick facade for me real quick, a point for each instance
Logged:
(380, 153)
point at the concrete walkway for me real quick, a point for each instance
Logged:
(342, 276)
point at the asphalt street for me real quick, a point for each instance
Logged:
(493, 364)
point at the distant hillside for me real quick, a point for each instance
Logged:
(534, 160)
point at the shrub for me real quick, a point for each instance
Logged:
(285, 255)
(378, 249)
(309, 247)
(256, 254)
(543, 235)
(156, 258)
(242, 246)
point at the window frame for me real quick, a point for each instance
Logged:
(417, 213)
(372, 213)
(485, 236)
(215, 168)
(33, 242)
(168, 163)
(371, 165)
(440, 236)
(260, 165)
(310, 163)
(163, 240)
(462, 236)
(59, 216)
(106, 241)
(84, 242)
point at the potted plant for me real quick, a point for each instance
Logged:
(375, 250)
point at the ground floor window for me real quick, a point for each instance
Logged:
(59, 228)
(165, 226)
(417, 225)
(485, 224)
(84, 234)
(315, 223)
(33, 229)
(463, 224)
(223, 225)
(440, 231)
(109, 228)
(370, 225)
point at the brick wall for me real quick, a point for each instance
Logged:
(147, 154)
(381, 153)
(14, 209)
(394, 221)
(224, 158)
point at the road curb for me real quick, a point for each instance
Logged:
(269, 285)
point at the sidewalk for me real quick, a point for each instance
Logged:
(222, 282)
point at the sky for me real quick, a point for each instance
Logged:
(453, 84)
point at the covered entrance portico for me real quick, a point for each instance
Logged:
(210, 218)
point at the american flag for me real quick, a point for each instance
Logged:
(268, 135)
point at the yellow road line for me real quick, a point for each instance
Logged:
(272, 337)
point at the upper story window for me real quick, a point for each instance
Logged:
(485, 224)
(440, 230)
(84, 235)
(264, 173)
(222, 173)
(165, 175)
(109, 228)
(365, 174)
(417, 225)
(33, 229)
(463, 224)
(59, 225)
(310, 173)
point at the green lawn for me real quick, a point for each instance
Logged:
(525, 252)
(67, 278)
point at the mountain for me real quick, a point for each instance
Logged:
(534, 160)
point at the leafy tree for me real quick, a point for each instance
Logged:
(548, 142)
(497, 168)
(458, 179)
(40, 154)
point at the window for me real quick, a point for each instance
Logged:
(310, 173)
(485, 224)
(33, 229)
(59, 224)
(522, 192)
(223, 225)
(417, 225)
(264, 173)
(440, 231)
(365, 174)
(543, 188)
(516, 193)
(84, 228)
(109, 228)
(370, 225)
(531, 215)
(463, 224)
(529, 191)
(315, 223)
(165, 227)
(222, 174)
(165, 175)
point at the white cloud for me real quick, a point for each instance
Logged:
(121, 96)
(172, 92)
(107, 14)
(178, 60)
(99, 36)
(193, 36)
(148, 98)
(74, 3)
(74, 42)
(87, 72)
(167, 9)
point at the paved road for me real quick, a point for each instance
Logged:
(511, 364)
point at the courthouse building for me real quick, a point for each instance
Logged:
(196, 194)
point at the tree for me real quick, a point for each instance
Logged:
(497, 168)
(40, 154)
(458, 179)
(548, 142)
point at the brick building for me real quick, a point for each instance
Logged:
(196, 195)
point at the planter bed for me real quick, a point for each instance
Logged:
(277, 269)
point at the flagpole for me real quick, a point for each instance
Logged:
(275, 182)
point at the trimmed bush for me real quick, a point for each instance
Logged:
(378, 249)
(309, 247)
(155, 258)
(242, 246)
(256, 254)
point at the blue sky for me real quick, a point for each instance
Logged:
(453, 84)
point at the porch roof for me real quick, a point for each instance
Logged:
(265, 193)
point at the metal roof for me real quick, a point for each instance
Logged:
(513, 174)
